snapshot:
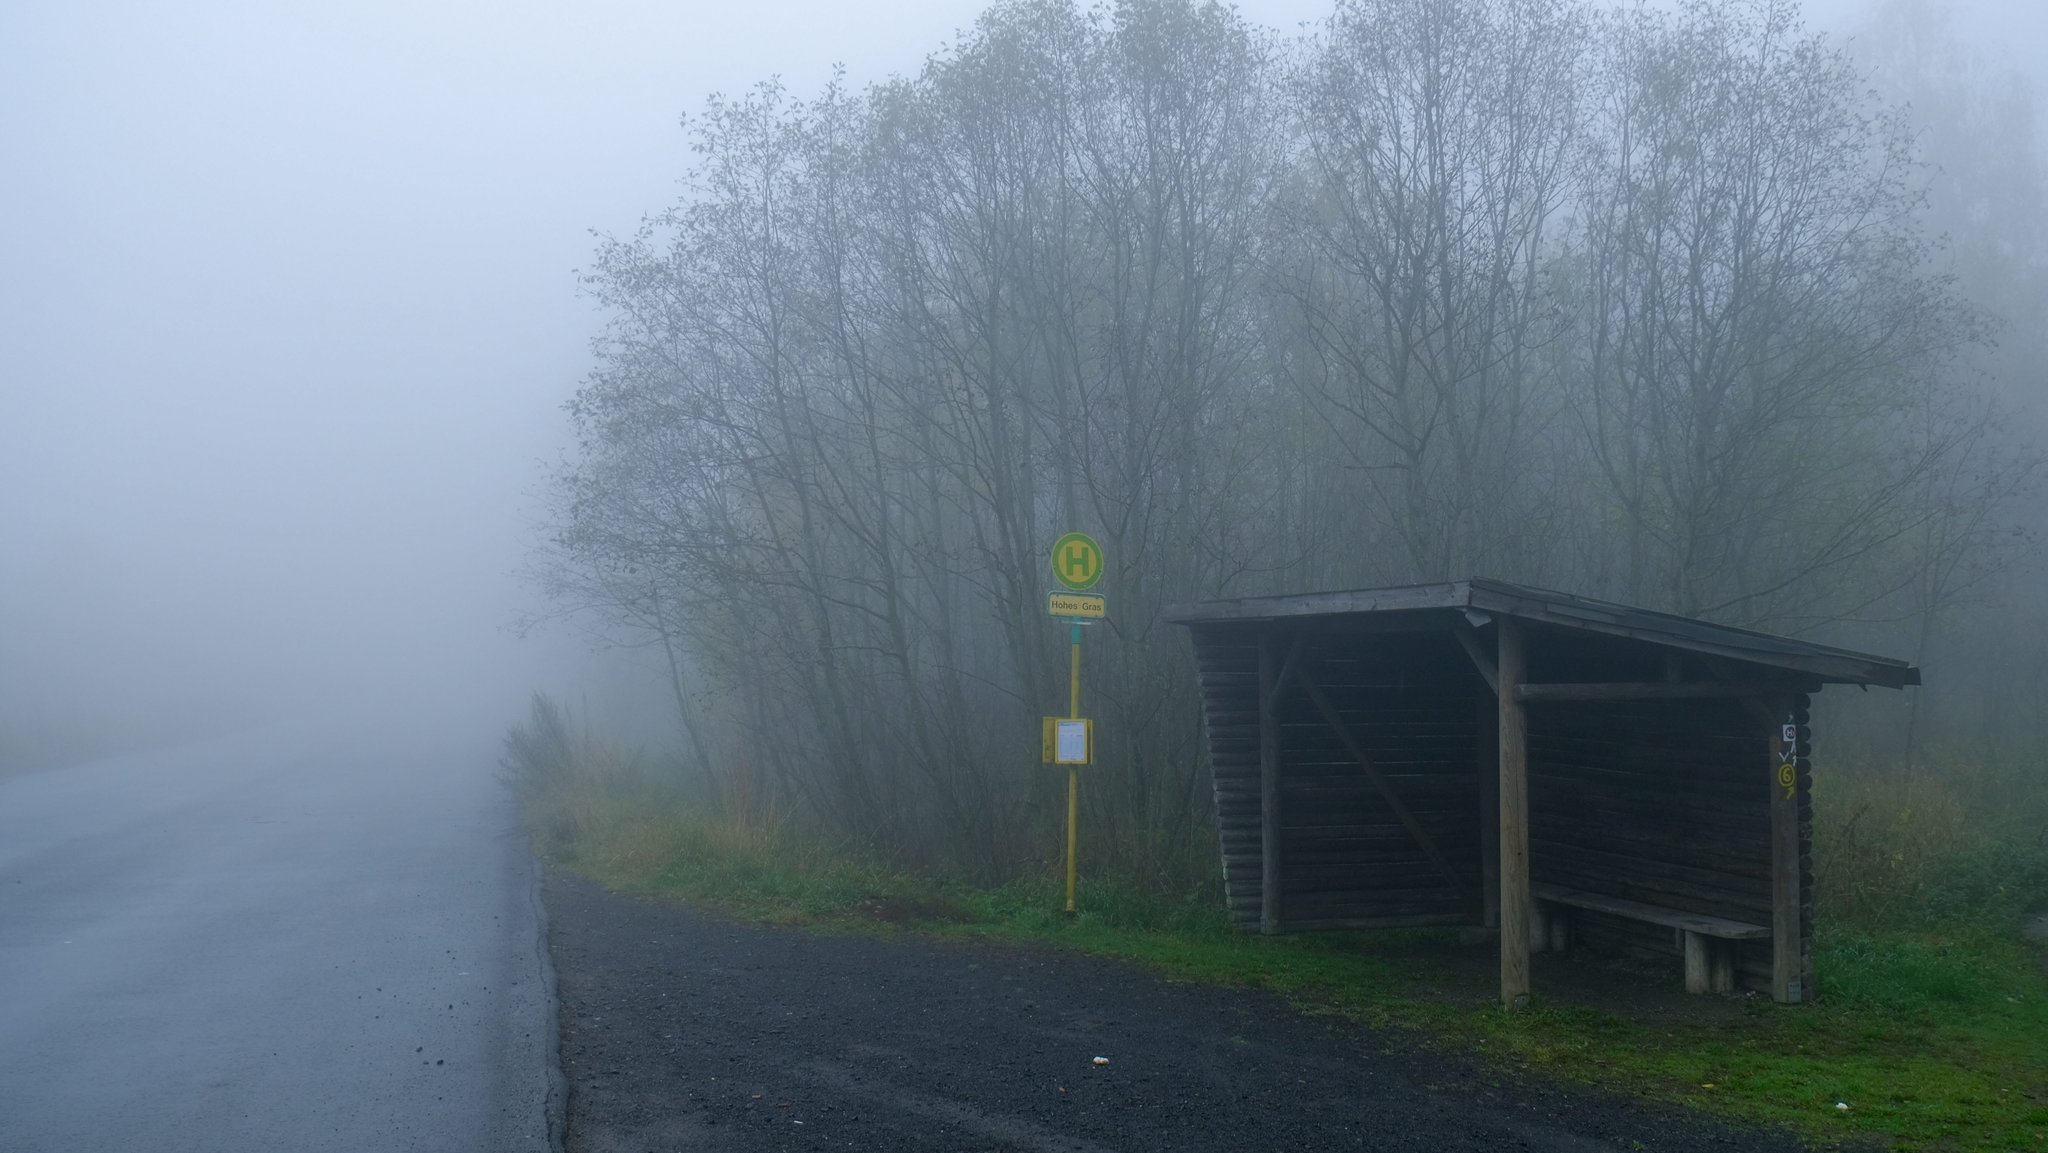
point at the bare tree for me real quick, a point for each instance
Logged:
(1439, 136)
(1761, 317)
(1636, 304)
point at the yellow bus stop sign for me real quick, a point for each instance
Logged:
(1077, 561)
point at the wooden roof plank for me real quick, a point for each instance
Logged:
(1448, 605)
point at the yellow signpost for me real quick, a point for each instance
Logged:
(1070, 740)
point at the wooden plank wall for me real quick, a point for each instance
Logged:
(1662, 802)
(1227, 668)
(1411, 701)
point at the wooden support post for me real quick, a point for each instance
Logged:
(1721, 957)
(1489, 812)
(1269, 787)
(1510, 666)
(1697, 977)
(1786, 985)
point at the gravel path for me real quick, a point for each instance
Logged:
(683, 1030)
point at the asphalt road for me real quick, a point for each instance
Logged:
(272, 942)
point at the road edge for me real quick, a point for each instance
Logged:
(556, 1107)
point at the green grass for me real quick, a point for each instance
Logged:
(1933, 1024)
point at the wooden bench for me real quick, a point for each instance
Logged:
(1708, 948)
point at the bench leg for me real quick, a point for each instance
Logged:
(1539, 918)
(1560, 925)
(1723, 958)
(1696, 976)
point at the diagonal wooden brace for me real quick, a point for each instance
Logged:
(1372, 773)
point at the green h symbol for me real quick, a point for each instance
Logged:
(1078, 563)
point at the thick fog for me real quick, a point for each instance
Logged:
(288, 309)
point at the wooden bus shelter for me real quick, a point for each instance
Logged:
(1561, 768)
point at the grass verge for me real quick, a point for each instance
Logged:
(1934, 1032)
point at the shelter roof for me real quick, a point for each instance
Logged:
(1475, 602)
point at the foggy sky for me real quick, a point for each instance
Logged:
(288, 310)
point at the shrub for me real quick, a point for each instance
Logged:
(577, 789)
(1960, 851)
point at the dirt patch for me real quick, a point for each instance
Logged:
(682, 1029)
(904, 911)
(1642, 989)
